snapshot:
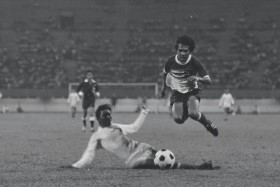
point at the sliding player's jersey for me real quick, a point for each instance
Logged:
(178, 72)
(88, 88)
(114, 140)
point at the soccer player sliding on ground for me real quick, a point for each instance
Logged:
(112, 137)
(182, 72)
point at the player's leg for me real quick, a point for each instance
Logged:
(205, 166)
(145, 160)
(195, 114)
(226, 113)
(91, 118)
(73, 111)
(84, 118)
(179, 112)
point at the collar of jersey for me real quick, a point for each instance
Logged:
(87, 80)
(184, 63)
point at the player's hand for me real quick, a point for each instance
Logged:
(161, 94)
(145, 110)
(97, 94)
(193, 79)
(81, 94)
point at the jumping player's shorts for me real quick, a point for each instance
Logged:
(88, 103)
(143, 153)
(184, 97)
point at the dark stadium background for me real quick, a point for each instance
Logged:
(45, 45)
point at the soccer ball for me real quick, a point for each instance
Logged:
(164, 159)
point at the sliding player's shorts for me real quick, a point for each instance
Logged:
(139, 157)
(88, 102)
(184, 97)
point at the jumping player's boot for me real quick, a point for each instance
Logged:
(212, 128)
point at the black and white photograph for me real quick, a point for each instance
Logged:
(139, 93)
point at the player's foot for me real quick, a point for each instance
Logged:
(207, 165)
(225, 119)
(91, 129)
(84, 129)
(212, 128)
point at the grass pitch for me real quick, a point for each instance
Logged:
(34, 146)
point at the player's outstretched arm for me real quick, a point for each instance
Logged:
(89, 154)
(137, 124)
(163, 86)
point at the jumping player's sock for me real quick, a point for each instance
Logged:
(208, 125)
(202, 119)
(91, 119)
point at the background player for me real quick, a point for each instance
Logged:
(181, 72)
(88, 89)
(73, 100)
(111, 137)
(227, 103)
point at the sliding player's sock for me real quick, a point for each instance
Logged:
(205, 166)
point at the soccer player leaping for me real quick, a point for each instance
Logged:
(112, 137)
(182, 72)
(88, 89)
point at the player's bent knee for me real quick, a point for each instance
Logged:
(179, 120)
(194, 115)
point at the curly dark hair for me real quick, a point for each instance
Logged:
(185, 40)
(102, 107)
(89, 71)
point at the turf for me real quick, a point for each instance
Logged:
(34, 146)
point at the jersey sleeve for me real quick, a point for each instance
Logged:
(232, 100)
(166, 67)
(97, 88)
(200, 68)
(221, 100)
(134, 127)
(89, 154)
(79, 88)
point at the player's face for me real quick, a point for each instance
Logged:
(89, 76)
(105, 118)
(183, 52)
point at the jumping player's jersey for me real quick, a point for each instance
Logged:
(88, 88)
(114, 140)
(178, 72)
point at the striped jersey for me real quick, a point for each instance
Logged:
(178, 72)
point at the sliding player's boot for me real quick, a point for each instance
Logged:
(212, 128)
(207, 166)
